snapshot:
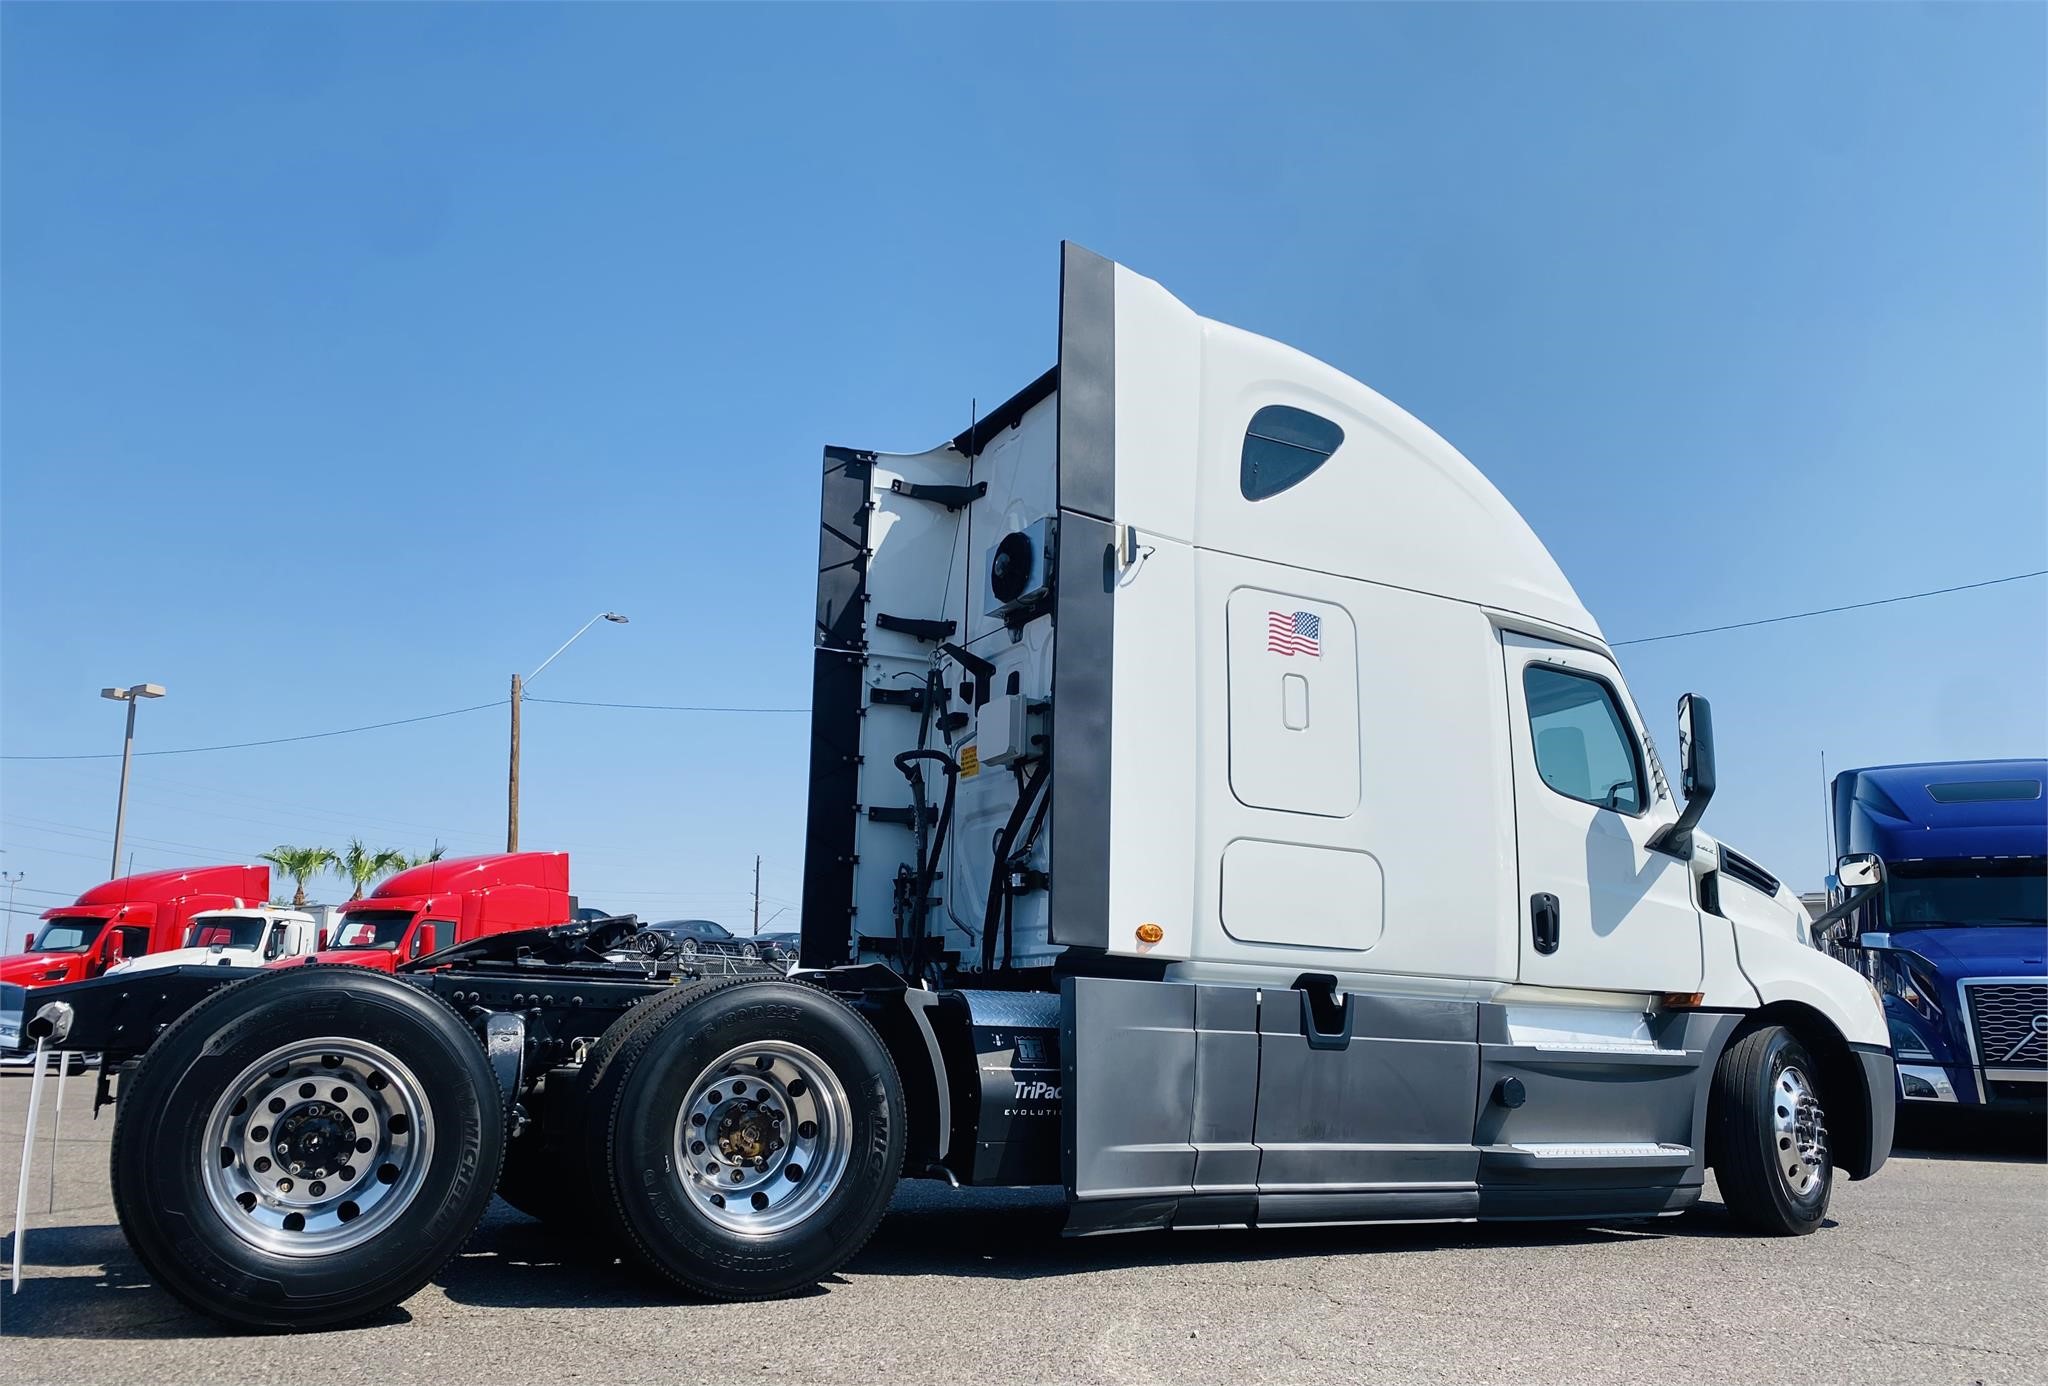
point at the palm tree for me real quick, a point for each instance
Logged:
(359, 865)
(302, 864)
(436, 854)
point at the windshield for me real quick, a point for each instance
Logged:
(70, 933)
(373, 929)
(1957, 894)
(225, 931)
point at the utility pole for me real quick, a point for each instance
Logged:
(757, 894)
(512, 786)
(13, 879)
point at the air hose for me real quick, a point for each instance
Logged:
(1006, 842)
(911, 951)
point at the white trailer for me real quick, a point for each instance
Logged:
(1221, 806)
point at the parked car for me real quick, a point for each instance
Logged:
(779, 947)
(689, 937)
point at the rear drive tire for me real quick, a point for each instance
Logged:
(306, 1147)
(749, 1134)
(1769, 1138)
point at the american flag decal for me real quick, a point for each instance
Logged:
(1294, 633)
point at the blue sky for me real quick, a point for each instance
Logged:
(352, 356)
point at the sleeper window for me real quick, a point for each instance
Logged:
(1282, 445)
(1584, 749)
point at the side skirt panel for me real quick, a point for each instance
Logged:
(1237, 1106)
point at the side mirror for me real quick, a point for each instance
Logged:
(1695, 774)
(1695, 749)
(1860, 869)
(28, 941)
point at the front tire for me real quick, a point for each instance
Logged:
(1769, 1139)
(307, 1147)
(750, 1135)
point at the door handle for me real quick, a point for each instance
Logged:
(1543, 922)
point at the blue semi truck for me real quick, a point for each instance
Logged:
(1956, 935)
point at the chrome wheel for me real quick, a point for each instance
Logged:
(750, 952)
(763, 1138)
(688, 948)
(1799, 1132)
(316, 1147)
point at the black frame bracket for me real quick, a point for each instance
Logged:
(952, 497)
(915, 627)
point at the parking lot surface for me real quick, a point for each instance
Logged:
(1932, 1272)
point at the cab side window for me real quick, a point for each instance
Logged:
(1282, 445)
(1584, 748)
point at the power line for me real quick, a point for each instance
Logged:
(662, 707)
(277, 740)
(1831, 610)
(700, 707)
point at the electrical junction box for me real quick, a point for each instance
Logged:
(1020, 569)
(1002, 729)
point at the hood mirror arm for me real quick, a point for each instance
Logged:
(1824, 923)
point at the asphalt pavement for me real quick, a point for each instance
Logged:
(1934, 1271)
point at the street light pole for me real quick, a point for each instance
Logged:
(518, 697)
(130, 696)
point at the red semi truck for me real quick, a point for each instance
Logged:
(442, 903)
(127, 917)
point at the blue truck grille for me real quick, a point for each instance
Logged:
(2011, 1021)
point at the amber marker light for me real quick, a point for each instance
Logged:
(1150, 933)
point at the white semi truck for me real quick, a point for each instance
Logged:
(1221, 806)
(250, 937)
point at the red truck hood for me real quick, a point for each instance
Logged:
(42, 969)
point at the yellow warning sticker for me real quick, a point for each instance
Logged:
(970, 762)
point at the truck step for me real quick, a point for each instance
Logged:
(1588, 1155)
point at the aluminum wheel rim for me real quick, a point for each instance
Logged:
(1799, 1133)
(317, 1147)
(763, 1138)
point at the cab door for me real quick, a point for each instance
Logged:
(1599, 909)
